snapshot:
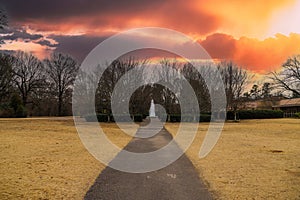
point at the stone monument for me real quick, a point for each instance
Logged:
(152, 109)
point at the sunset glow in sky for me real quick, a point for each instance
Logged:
(258, 35)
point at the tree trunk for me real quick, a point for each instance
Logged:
(24, 100)
(235, 119)
(60, 101)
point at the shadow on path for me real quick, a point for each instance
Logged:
(176, 181)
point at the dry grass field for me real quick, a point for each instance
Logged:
(44, 159)
(253, 159)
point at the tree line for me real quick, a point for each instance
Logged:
(29, 86)
(167, 73)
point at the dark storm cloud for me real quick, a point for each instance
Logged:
(58, 9)
(14, 34)
(77, 46)
(94, 17)
(45, 42)
(62, 14)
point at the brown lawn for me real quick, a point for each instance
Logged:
(253, 159)
(43, 158)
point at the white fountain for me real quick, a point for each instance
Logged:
(152, 109)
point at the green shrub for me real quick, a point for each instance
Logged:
(145, 116)
(188, 118)
(120, 117)
(14, 108)
(162, 117)
(111, 118)
(174, 118)
(138, 117)
(124, 118)
(102, 117)
(297, 114)
(21, 111)
(204, 118)
(230, 115)
(6, 111)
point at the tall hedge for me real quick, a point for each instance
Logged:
(189, 118)
(110, 118)
(204, 117)
(242, 114)
(255, 114)
(137, 117)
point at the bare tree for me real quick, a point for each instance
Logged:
(111, 76)
(235, 79)
(28, 74)
(3, 19)
(288, 79)
(61, 70)
(6, 62)
(198, 84)
(168, 74)
(84, 90)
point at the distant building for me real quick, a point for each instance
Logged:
(261, 104)
(288, 106)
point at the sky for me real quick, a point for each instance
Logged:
(257, 35)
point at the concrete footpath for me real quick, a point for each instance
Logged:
(178, 181)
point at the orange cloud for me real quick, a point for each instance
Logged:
(220, 46)
(245, 18)
(268, 54)
(195, 17)
(257, 55)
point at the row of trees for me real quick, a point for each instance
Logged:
(168, 74)
(45, 87)
(38, 86)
